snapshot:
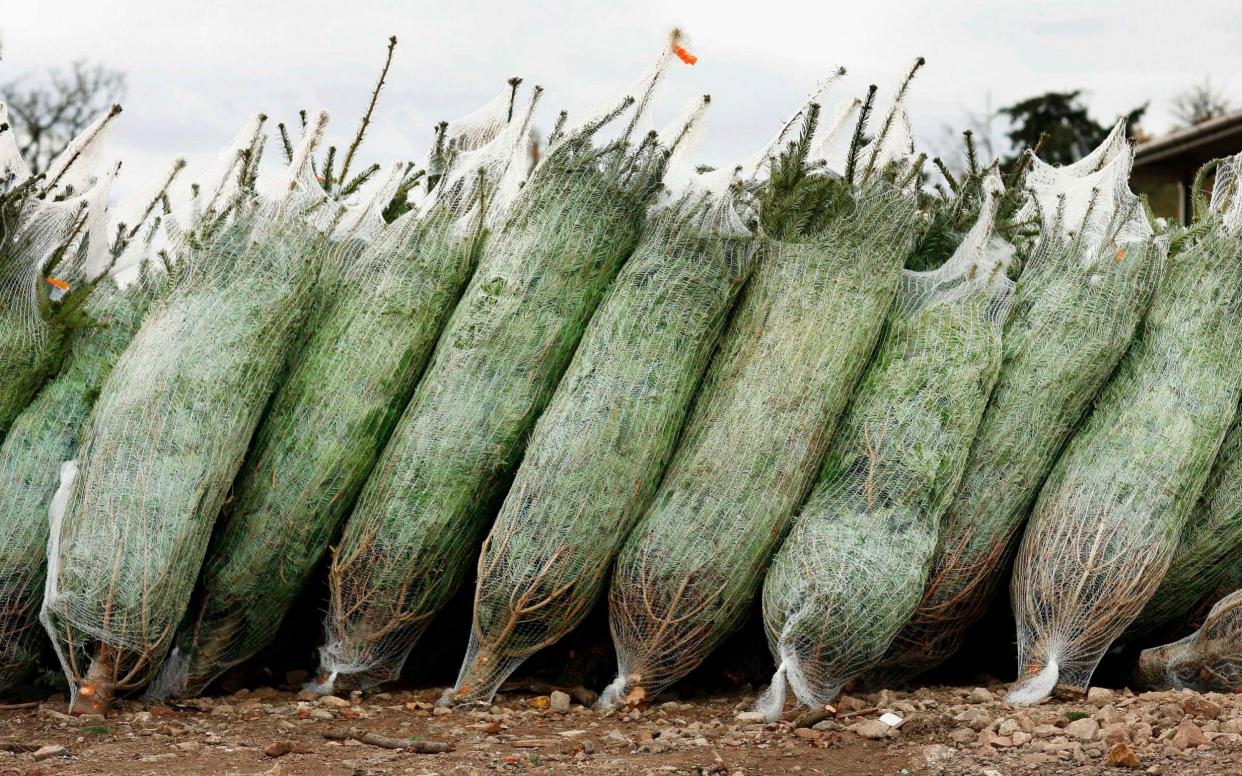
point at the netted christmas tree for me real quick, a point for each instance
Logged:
(46, 433)
(382, 308)
(1210, 545)
(1107, 521)
(597, 452)
(423, 511)
(1208, 660)
(53, 240)
(1076, 306)
(854, 564)
(798, 341)
(133, 514)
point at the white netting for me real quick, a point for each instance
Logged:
(853, 567)
(47, 433)
(173, 420)
(1210, 545)
(1074, 312)
(369, 340)
(769, 403)
(52, 250)
(420, 516)
(470, 132)
(1208, 660)
(596, 455)
(1107, 521)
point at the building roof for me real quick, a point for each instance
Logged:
(1191, 147)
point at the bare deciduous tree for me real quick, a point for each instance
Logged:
(50, 109)
(1200, 103)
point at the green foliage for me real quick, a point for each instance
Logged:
(799, 201)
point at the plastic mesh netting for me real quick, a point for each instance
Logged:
(1208, 660)
(1075, 309)
(1107, 521)
(52, 242)
(854, 564)
(43, 435)
(133, 514)
(382, 308)
(596, 455)
(1210, 545)
(793, 350)
(421, 514)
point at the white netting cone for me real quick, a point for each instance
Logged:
(370, 338)
(173, 420)
(421, 515)
(853, 566)
(1075, 310)
(1107, 521)
(768, 405)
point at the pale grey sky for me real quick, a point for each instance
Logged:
(197, 69)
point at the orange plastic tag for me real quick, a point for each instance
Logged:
(62, 285)
(1120, 254)
(683, 55)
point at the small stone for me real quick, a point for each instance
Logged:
(872, 728)
(1231, 725)
(750, 716)
(1109, 714)
(1099, 696)
(980, 695)
(541, 702)
(1115, 733)
(808, 733)
(935, 754)
(1020, 738)
(278, 749)
(1046, 731)
(1198, 706)
(321, 714)
(157, 758)
(1084, 729)
(559, 702)
(333, 702)
(975, 718)
(962, 736)
(1121, 756)
(50, 751)
(1173, 711)
(440, 711)
(1187, 736)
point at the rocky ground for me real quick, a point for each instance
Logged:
(935, 730)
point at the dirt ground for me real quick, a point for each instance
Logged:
(943, 730)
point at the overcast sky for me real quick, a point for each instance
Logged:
(197, 69)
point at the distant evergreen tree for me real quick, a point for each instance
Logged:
(1059, 123)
